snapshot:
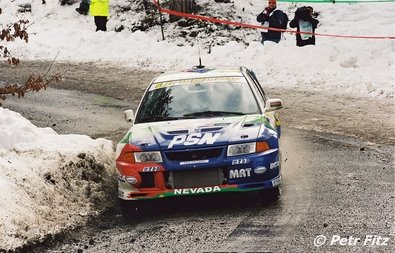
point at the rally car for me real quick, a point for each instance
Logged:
(200, 131)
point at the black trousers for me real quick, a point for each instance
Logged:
(101, 22)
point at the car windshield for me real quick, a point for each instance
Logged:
(197, 99)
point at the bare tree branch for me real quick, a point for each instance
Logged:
(35, 82)
(50, 66)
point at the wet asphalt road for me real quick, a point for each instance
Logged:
(334, 186)
(331, 188)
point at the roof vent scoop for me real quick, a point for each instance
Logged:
(248, 125)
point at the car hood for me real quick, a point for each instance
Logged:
(194, 133)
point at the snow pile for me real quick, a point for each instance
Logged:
(359, 67)
(48, 181)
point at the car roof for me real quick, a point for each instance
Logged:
(199, 73)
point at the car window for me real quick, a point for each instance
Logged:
(257, 85)
(197, 99)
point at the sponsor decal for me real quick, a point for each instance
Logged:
(126, 138)
(260, 170)
(194, 162)
(196, 190)
(240, 161)
(276, 181)
(151, 169)
(261, 119)
(120, 194)
(240, 173)
(193, 139)
(164, 84)
(278, 123)
(198, 70)
(274, 165)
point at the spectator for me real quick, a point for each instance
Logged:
(272, 18)
(84, 7)
(304, 22)
(99, 9)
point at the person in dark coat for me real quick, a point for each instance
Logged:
(304, 22)
(273, 18)
(69, 2)
(84, 7)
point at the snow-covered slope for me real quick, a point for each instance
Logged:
(361, 67)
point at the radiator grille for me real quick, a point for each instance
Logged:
(192, 155)
(195, 178)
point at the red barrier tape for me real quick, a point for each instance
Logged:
(259, 27)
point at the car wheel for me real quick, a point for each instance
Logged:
(269, 196)
(130, 210)
(274, 194)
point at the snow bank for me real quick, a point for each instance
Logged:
(48, 182)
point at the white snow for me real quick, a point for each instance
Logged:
(42, 188)
(361, 67)
(46, 181)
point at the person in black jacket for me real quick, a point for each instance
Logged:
(304, 22)
(272, 18)
(84, 7)
(69, 2)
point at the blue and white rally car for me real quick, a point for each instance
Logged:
(201, 131)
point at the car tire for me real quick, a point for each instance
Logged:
(266, 197)
(273, 194)
(130, 210)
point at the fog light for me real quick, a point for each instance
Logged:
(131, 180)
(260, 170)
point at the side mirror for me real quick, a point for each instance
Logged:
(129, 115)
(273, 105)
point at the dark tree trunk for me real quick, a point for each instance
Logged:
(186, 6)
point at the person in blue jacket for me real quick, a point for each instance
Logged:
(273, 18)
(304, 22)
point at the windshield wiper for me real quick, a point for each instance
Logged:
(154, 118)
(212, 113)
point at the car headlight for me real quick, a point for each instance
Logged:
(241, 149)
(143, 157)
(247, 148)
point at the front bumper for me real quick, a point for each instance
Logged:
(125, 193)
(253, 172)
